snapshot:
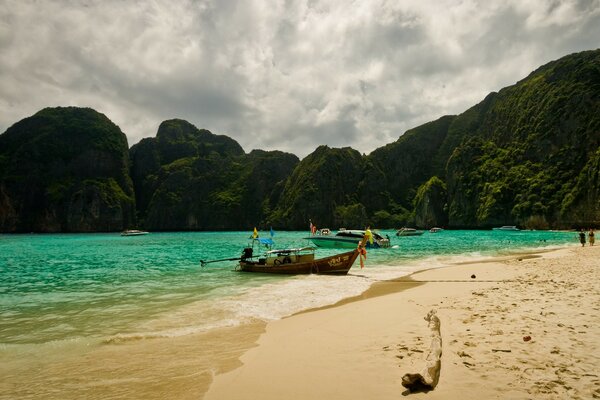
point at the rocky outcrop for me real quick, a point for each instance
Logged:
(521, 152)
(320, 189)
(190, 179)
(430, 204)
(65, 170)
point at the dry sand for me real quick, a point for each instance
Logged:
(361, 349)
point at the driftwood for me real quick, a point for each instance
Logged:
(428, 378)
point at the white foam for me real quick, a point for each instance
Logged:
(279, 298)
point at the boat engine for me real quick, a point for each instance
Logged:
(247, 253)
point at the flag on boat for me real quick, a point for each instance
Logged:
(255, 233)
(369, 235)
(266, 242)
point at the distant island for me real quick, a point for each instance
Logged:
(528, 155)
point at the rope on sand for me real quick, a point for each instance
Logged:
(453, 280)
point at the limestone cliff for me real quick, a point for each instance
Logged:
(65, 169)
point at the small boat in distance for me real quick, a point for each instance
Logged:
(348, 239)
(506, 228)
(408, 232)
(133, 232)
(435, 230)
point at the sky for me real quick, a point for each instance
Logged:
(279, 75)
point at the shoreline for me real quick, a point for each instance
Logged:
(388, 286)
(361, 346)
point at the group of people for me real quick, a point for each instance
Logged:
(591, 237)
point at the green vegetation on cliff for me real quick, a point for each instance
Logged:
(190, 179)
(528, 148)
(65, 170)
(527, 156)
(321, 188)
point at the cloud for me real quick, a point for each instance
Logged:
(286, 75)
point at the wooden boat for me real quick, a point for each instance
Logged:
(299, 261)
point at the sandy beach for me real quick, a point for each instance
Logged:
(526, 327)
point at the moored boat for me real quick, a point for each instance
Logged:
(435, 230)
(506, 228)
(133, 232)
(409, 232)
(298, 261)
(348, 239)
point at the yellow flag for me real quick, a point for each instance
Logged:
(255, 234)
(369, 235)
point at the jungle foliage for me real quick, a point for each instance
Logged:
(527, 155)
(65, 169)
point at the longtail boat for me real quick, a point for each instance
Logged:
(295, 261)
(300, 261)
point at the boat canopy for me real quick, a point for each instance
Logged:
(290, 251)
(265, 241)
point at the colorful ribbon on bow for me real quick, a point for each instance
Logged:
(363, 255)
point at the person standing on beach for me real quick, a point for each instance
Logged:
(591, 237)
(582, 237)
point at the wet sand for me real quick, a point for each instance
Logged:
(525, 327)
(159, 368)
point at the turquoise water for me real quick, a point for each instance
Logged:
(104, 288)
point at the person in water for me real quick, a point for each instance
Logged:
(582, 237)
(591, 237)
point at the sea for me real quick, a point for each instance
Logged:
(110, 316)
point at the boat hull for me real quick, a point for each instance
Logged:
(332, 242)
(506, 228)
(338, 264)
(134, 233)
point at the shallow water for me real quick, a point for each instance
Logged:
(105, 316)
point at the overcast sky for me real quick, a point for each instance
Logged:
(279, 75)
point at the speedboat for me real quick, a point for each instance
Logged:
(506, 228)
(435, 230)
(409, 232)
(348, 239)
